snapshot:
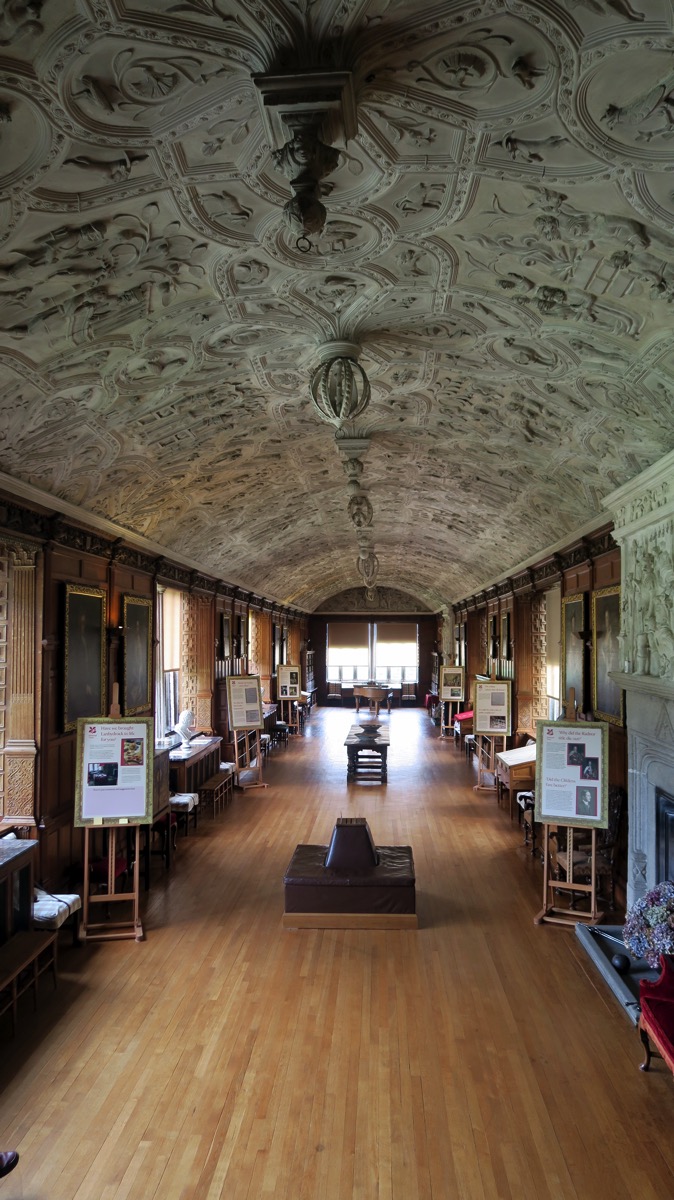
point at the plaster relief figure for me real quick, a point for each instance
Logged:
(654, 108)
(419, 197)
(531, 150)
(360, 511)
(623, 7)
(224, 204)
(19, 18)
(117, 170)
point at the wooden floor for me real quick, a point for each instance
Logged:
(225, 1057)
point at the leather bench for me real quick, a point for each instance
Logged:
(350, 886)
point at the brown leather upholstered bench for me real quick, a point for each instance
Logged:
(351, 883)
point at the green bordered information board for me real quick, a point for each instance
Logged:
(572, 773)
(114, 775)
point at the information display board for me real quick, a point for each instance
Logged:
(572, 773)
(114, 773)
(288, 680)
(492, 707)
(451, 683)
(244, 699)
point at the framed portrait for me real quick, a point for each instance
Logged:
(573, 647)
(84, 679)
(505, 635)
(607, 696)
(137, 686)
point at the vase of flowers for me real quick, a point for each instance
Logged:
(649, 925)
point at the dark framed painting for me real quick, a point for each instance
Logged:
(225, 637)
(493, 640)
(574, 626)
(84, 686)
(607, 696)
(137, 687)
(505, 635)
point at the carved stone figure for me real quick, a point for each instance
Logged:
(360, 510)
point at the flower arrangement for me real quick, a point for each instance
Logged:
(649, 924)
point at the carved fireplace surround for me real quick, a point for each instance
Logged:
(643, 513)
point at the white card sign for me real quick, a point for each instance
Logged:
(572, 773)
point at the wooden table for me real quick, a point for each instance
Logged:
(366, 749)
(515, 772)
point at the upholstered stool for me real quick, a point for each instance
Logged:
(182, 804)
(265, 743)
(280, 732)
(51, 911)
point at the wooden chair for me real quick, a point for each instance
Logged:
(334, 695)
(607, 842)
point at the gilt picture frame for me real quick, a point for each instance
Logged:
(84, 642)
(137, 675)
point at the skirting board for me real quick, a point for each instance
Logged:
(350, 921)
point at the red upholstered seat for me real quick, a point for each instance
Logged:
(657, 1013)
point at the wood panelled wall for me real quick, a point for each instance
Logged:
(32, 635)
(585, 567)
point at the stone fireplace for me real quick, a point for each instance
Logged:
(643, 513)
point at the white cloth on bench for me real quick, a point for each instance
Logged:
(51, 911)
(184, 801)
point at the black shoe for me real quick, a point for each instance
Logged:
(8, 1161)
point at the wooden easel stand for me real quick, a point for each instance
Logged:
(106, 931)
(550, 913)
(251, 765)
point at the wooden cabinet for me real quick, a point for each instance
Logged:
(308, 675)
(191, 767)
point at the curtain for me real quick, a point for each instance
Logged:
(172, 624)
(397, 631)
(345, 635)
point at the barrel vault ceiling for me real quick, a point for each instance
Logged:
(499, 241)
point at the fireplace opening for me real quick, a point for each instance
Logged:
(664, 834)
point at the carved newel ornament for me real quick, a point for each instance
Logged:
(340, 389)
(305, 160)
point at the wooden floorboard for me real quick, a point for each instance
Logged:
(477, 1057)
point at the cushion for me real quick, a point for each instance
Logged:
(50, 911)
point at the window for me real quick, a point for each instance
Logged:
(359, 651)
(168, 661)
(396, 654)
(348, 659)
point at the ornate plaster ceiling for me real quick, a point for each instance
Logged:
(498, 241)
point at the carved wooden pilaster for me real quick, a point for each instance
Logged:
(18, 747)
